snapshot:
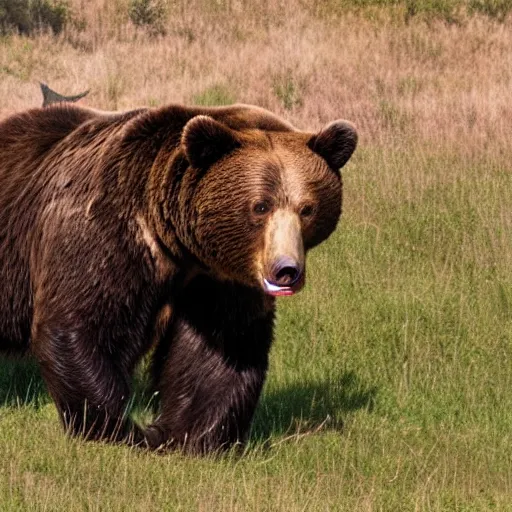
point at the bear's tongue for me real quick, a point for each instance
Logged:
(277, 291)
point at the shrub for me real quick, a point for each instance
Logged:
(214, 96)
(498, 9)
(288, 90)
(445, 10)
(29, 16)
(148, 14)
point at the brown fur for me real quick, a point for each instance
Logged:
(122, 230)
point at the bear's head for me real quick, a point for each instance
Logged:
(254, 201)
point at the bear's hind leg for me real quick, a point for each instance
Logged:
(91, 393)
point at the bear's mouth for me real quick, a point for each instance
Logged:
(282, 291)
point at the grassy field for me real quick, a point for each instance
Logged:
(391, 374)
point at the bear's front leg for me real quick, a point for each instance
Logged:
(211, 367)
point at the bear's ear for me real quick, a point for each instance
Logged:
(205, 141)
(335, 143)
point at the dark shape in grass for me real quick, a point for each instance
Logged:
(50, 96)
(311, 406)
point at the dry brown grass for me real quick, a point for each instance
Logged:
(448, 84)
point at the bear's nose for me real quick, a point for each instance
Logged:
(286, 272)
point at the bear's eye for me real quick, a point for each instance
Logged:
(307, 210)
(261, 207)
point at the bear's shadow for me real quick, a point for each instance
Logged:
(308, 407)
(299, 408)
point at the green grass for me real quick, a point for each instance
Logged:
(390, 380)
(213, 96)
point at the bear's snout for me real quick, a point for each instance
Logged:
(284, 255)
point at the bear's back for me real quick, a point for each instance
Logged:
(31, 146)
(28, 136)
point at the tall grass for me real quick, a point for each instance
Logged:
(390, 378)
(449, 84)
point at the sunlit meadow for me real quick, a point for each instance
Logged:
(391, 373)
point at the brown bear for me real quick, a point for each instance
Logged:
(173, 227)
